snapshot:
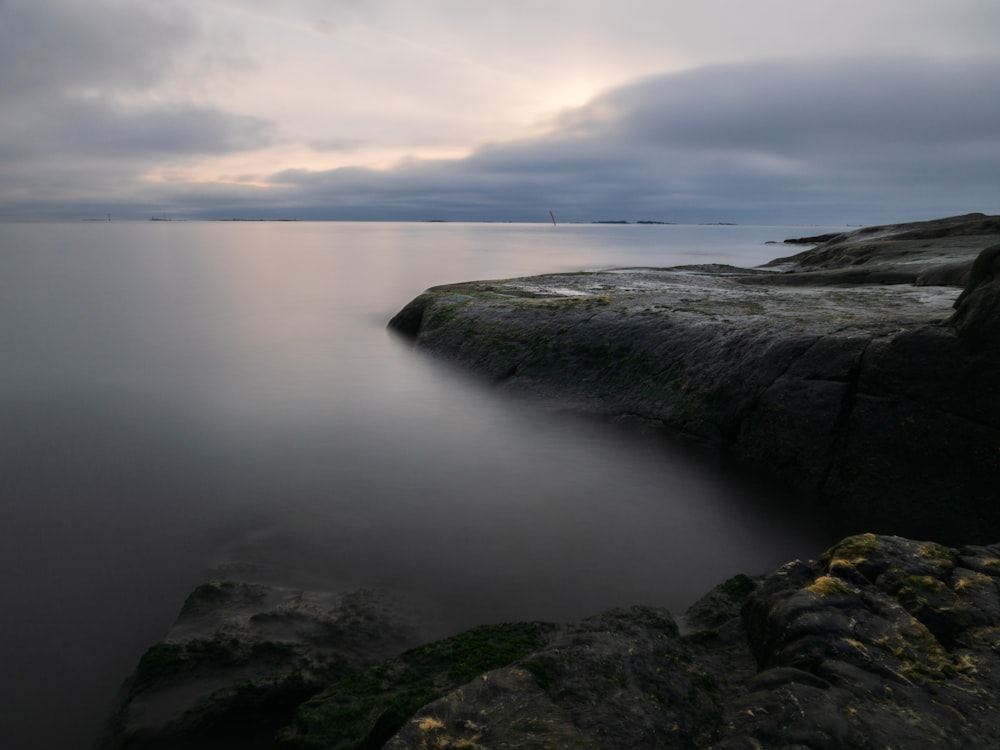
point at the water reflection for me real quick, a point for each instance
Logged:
(177, 396)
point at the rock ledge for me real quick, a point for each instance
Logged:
(842, 373)
(881, 642)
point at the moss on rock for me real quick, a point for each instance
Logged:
(366, 707)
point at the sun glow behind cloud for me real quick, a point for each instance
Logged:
(143, 99)
(372, 89)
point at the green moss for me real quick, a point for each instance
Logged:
(442, 311)
(165, 658)
(207, 595)
(219, 651)
(366, 707)
(830, 586)
(924, 658)
(971, 581)
(576, 302)
(920, 594)
(159, 660)
(738, 587)
(926, 585)
(853, 550)
(938, 554)
(921, 657)
(479, 650)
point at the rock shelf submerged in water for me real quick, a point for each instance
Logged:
(842, 373)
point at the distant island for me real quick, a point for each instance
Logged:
(623, 221)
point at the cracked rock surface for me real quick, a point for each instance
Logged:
(844, 373)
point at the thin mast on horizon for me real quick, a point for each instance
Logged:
(553, 218)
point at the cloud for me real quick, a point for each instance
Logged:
(59, 46)
(814, 141)
(804, 107)
(766, 139)
(71, 151)
(102, 128)
(87, 105)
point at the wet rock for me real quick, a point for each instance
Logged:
(365, 708)
(882, 642)
(925, 252)
(901, 636)
(977, 309)
(243, 656)
(872, 399)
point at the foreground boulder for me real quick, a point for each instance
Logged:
(843, 373)
(243, 655)
(881, 642)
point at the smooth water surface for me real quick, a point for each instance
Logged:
(176, 396)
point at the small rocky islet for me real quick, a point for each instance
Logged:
(859, 373)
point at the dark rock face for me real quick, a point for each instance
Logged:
(976, 307)
(924, 253)
(243, 656)
(881, 642)
(367, 707)
(875, 400)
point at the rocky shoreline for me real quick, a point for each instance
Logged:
(880, 642)
(854, 372)
(843, 373)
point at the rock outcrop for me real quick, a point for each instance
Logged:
(842, 373)
(243, 656)
(881, 642)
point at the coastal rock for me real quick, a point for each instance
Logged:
(881, 642)
(243, 655)
(841, 374)
(923, 253)
(977, 309)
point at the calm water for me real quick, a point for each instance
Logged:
(175, 396)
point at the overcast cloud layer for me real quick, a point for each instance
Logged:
(790, 112)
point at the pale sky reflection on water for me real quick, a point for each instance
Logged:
(180, 396)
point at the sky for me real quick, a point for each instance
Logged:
(771, 111)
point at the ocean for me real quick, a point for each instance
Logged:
(179, 396)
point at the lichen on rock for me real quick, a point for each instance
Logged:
(880, 642)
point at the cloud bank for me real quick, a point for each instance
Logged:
(846, 140)
(116, 108)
